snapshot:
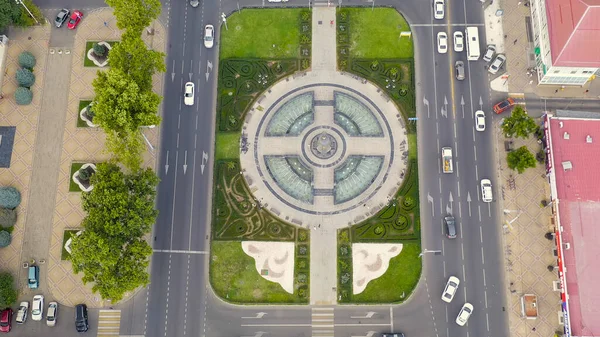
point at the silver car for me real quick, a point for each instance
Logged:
(460, 70)
(497, 64)
(61, 17)
(52, 314)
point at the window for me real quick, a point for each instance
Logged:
(574, 72)
(556, 71)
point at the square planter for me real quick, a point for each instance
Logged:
(73, 185)
(82, 105)
(89, 45)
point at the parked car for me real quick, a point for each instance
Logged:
(438, 9)
(81, 318)
(450, 225)
(486, 190)
(22, 313)
(209, 36)
(450, 289)
(464, 314)
(188, 95)
(75, 19)
(504, 105)
(33, 277)
(460, 70)
(442, 43)
(6, 320)
(489, 53)
(194, 3)
(52, 314)
(459, 41)
(37, 308)
(61, 17)
(497, 64)
(479, 120)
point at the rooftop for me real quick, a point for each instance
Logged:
(574, 29)
(575, 145)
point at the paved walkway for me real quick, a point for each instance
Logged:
(527, 252)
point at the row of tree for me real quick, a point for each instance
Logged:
(520, 125)
(112, 251)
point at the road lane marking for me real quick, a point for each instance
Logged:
(444, 263)
(482, 256)
(460, 209)
(174, 196)
(455, 128)
(192, 201)
(440, 183)
(457, 184)
(175, 251)
(464, 279)
(485, 297)
(479, 208)
(391, 319)
(457, 176)
(484, 282)
(480, 235)
(477, 176)
(445, 25)
(462, 251)
(475, 150)
(490, 210)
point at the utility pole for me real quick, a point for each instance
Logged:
(224, 20)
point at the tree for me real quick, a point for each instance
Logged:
(10, 11)
(8, 217)
(23, 96)
(25, 77)
(135, 15)
(5, 239)
(8, 293)
(135, 59)
(27, 60)
(24, 19)
(10, 197)
(520, 159)
(519, 124)
(127, 148)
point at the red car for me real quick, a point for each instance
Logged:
(504, 105)
(74, 19)
(5, 320)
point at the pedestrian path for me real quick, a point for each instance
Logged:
(322, 322)
(324, 54)
(109, 322)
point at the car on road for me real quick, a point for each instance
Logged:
(22, 312)
(397, 334)
(479, 120)
(438, 9)
(194, 3)
(188, 94)
(52, 314)
(489, 53)
(497, 64)
(442, 43)
(74, 20)
(278, 0)
(504, 105)
(486, 190)
(5, 320)
(459, 41)
(37, 308)
(464, 314)
(450, 225)
(460, 70)
(450, 289)
(61, 17)
(209, 36)
(81, 318)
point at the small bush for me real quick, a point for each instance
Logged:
(23, 96)
(10, 197)
(25, 77)
(84, 174)
(8, 217)
(27, 60)
(4, 239)
(8, 293)
(99, 50)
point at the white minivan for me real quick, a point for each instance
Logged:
(486, 190)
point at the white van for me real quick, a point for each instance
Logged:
(486, 190)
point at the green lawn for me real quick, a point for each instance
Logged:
(234, 277)
(253, 32)
(73, 187)
(376, 34)
(228, 145)
(67, 234)
(400, 279)
(80, 122)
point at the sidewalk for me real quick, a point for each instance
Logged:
(519, 49)
(527, 252)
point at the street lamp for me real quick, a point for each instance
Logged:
(28, 11)
(224, 20)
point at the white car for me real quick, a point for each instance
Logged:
(438, 9)
(188, 96)
(37, 308)
(486, 190)
(450, 290)
(442, 43)
(480, 120)
(489, 53)
(22, 313)
(497, 64)
(459, 41)
(464, 314)
(52, 314)
(209, 36)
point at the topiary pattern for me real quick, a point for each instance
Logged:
(8, 217)
(27, 60)
(23, 96)
(10, 197)
(25, 77)
(5, 239)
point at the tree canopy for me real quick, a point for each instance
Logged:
(519, 124)
(111, 252)
(8, 293)
(135, 15)
(520, 159)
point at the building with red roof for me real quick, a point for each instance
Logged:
(567, 40)
(573, 166)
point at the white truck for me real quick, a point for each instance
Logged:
(447, 166)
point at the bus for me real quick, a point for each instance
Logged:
(472, 37)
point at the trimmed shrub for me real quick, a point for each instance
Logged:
(8, 217)
(25, 77)
(10, 197)
(23, 96)
(27, 60)
(8, 293)
(99, 50)
(4, 239)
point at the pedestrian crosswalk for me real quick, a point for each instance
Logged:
(109, 323)
(322, 322)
